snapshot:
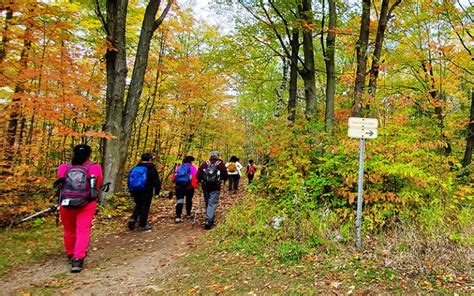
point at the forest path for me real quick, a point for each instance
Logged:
(122, 262)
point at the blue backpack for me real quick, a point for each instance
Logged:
(183, 176)
(137, 178)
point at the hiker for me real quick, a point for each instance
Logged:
(142, 181)
(250, 171)
(78, 203)
(234, 170)
(211, 173)
(185, 182)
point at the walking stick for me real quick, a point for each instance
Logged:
(198, 208)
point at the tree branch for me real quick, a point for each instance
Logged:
(99, 14)
(163, 15)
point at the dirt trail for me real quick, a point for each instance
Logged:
(124, 262)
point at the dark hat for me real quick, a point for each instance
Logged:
(147, 156)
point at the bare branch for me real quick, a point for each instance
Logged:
(158, 22)
(99, 14)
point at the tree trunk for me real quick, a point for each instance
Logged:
(5, 37)
(384, 17)
(119, 115)
(470, 136)
(281, 89)
(361, 50)
(293, 83)
(329, 59)
(308, 72)
(15, 105)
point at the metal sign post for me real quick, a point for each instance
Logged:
(362, 128)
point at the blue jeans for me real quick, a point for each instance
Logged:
(212, 201)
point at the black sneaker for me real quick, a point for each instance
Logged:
(207, 224)
(145, 228)
(76, 265)
(131, 224)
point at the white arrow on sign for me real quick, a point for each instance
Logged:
(360, 122)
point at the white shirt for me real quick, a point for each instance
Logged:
(239, 168)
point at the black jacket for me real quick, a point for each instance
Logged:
(153, 180)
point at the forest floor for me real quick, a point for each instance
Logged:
(119, 261)
(184, 259)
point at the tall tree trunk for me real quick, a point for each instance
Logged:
(384, 17)
(361, 50)
(15, 105)
(280, 91)
(308, 72)
(470, 136)
(437, 102)
(5, 37)
(119, 115)
(293, 83)
(329, 59)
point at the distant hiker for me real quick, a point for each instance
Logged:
(211, 173)
(250, 170)
(185, 181)
(142, 181)
(234, 170)
(78, 202)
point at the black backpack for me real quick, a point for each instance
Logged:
(212, 174)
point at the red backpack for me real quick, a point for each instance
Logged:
(251, 169)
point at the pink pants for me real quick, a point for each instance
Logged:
(77, 229)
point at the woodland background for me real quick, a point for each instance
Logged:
(274, 81)
(276, 84)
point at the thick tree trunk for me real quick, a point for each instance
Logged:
(384, 17)
(119, 115)
(293, 83)
(308, 73)
(470, 136)
(361, 50)
(329, 59)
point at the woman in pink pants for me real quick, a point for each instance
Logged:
(78, 203)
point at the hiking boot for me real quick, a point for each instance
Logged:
(131, 224)
(69, 258)
(145, 228)
(190, 216)
(76, 265)
(207, 224)
(178, 220)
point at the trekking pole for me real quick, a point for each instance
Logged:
(104, 188)
(198, 208)
(47, 210)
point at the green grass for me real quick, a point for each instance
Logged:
(231, 265)
(21, 245)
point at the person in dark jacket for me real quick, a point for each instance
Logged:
(210, 174)
(143, 197)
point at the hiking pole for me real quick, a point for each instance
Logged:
(198, 209)
(104, 188)
(47, 210)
